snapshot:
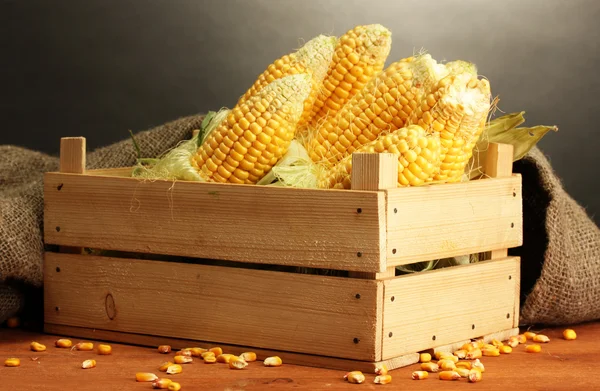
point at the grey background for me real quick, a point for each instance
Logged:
(98, 68)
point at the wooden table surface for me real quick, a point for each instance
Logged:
(562, 365)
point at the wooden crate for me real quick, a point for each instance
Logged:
(206, 264)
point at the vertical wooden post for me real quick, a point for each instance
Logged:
(498, 163)
(72, 161)
(374, 171)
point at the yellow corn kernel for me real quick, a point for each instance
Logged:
(164, 349)
(490, 352)
(541, 338)
(12, 362)
(569, 334)
(449, 375)
(446, 365)
(236, 362)
(208, 359)
(473, 354)
(13, 322)
(448, 356)
(383, 379)
(420, 375)
(505, 349)
(513, 341)
(521, 338)
(224, 358)
(104, 349)
(164, 366)
(463, 364)
(197, 352)
(174, 386)
(461, 353)
(479, 343)
(83, 346)
(475, 375)
(182, 359)
(206, 354)
(467, 347)
(145, 377)
(216, 350)
(174, 369)
(381, 370)
(88, 364)
(63, 343)
(185, 353)
(37, 347)
(273, 361)
(430, 367)
(355, 377)
(161, 383)
(478, 365)
(248, 356)
(497, 343)
(488, 346)
(533, 348)
(463, 372)
(424, 357)
(529, 335)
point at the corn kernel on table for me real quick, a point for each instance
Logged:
(562, 365)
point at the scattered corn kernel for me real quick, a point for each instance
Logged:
(449, 375)
(521, 338)
(13, 322)
(183, 359)
(208, 359)
(450, 357)
(479, 343)
(145, 376)
(204, 354)
(184, 353)
(461, 353)
(430, 367)
(273, 361)
(236, 362)
(533, 348)
(88, 364)
(446, 365)
(164, 366)
(463, 372)
(248, 356)
(63, 343)
(478, 365)
(529, 335)
(355, 377)
(424, 357)
(488, 346)
(216, 350)
(174, 386)
(104, 349)
(438, 355)
(513, 341)
(497, 343)
(473, 354)
(541, 338)
(383, 379)
(197, 352)
(174, 369)
(381, 370)
(505, 349)
(84, 346)
(12, 362)
(475, 375)
(569, 334)
(164, 349)
(490, 352)
(161, 383)
(420, 375)
(37, 347)
(463, 364)
(468, 347)
(224, 358)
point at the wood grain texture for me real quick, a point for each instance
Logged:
(333, 229)
(264, 309)
(433, 222)
(72, 155)
(118, 172)
(443, 306)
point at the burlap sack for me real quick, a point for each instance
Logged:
(560, 282)
(21, 202)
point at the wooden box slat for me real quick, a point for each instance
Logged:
(452, 304)
(300, 313)
(446, 220)
(244, 223)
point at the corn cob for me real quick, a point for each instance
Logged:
(456, 109)
(418, 158)
(360, 54)
(255, 135)
(384, 105)
(313, 58)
